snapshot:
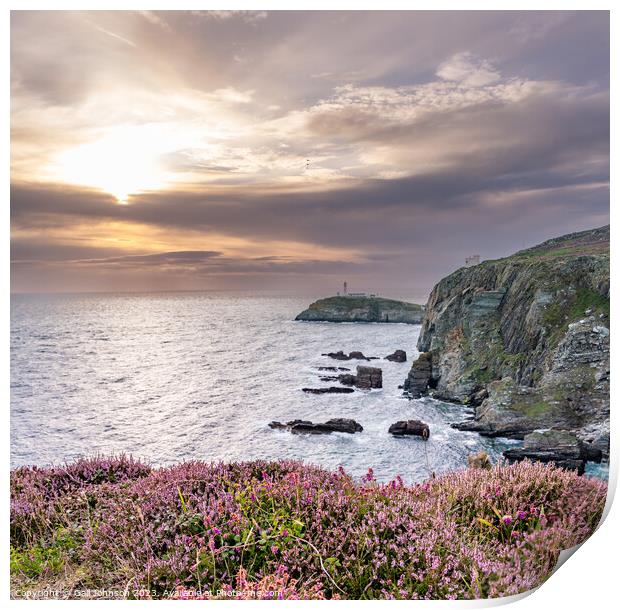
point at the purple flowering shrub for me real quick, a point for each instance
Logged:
(257, 530)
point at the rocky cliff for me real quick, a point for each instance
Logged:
(525, 340)
(362, 309)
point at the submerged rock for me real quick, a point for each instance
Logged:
(329, 390)
(398, 356)
(340, 355)
(347, 379)
(276, 425)
(411, 427)
(338, 424)
(362, 309)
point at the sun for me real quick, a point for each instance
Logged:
(125, 161)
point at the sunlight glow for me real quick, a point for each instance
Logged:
(125, 161)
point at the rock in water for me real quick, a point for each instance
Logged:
(561, 447)
(347, 379)
(330, 390)
(369, 378)
(419, 377)
(479, 460)
(398, 356)
(342, 424)
(411, 427)
(340, 355)
(362, 309)
(276, 425)
(299, 426)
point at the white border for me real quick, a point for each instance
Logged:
(587, 580)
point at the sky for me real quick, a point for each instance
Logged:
(291, 151)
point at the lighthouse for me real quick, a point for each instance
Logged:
(344, 287)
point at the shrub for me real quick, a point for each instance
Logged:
(285, 529)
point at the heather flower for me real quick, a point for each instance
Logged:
(369, 476)
(435, 540)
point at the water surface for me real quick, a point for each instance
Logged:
(171, 377)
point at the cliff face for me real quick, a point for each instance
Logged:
(524, 339)
(362, 309)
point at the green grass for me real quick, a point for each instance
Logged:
(35, 561)
(588, 299)
(537, 409)
(559, 315)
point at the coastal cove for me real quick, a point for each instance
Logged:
(172, 377)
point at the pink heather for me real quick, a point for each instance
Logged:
(336, 537)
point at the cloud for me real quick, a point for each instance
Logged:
(230, 94)
(111, 34)
(318, 155)
(247, 16)
(155, 18)
(468, 70)
(190, 257)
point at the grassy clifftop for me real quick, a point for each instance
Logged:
(585, 243)
(284, 529)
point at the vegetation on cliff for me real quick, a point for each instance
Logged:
(284, 529)
(528, 337)
(362, 309)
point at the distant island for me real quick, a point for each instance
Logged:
(362, 308)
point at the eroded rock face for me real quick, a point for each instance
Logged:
(420, 375)
(561, 447)
(300, 426)
(525, 340)
(399, 355)
(411, 427)
(369, 378)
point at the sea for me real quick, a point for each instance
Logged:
(171, 377)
